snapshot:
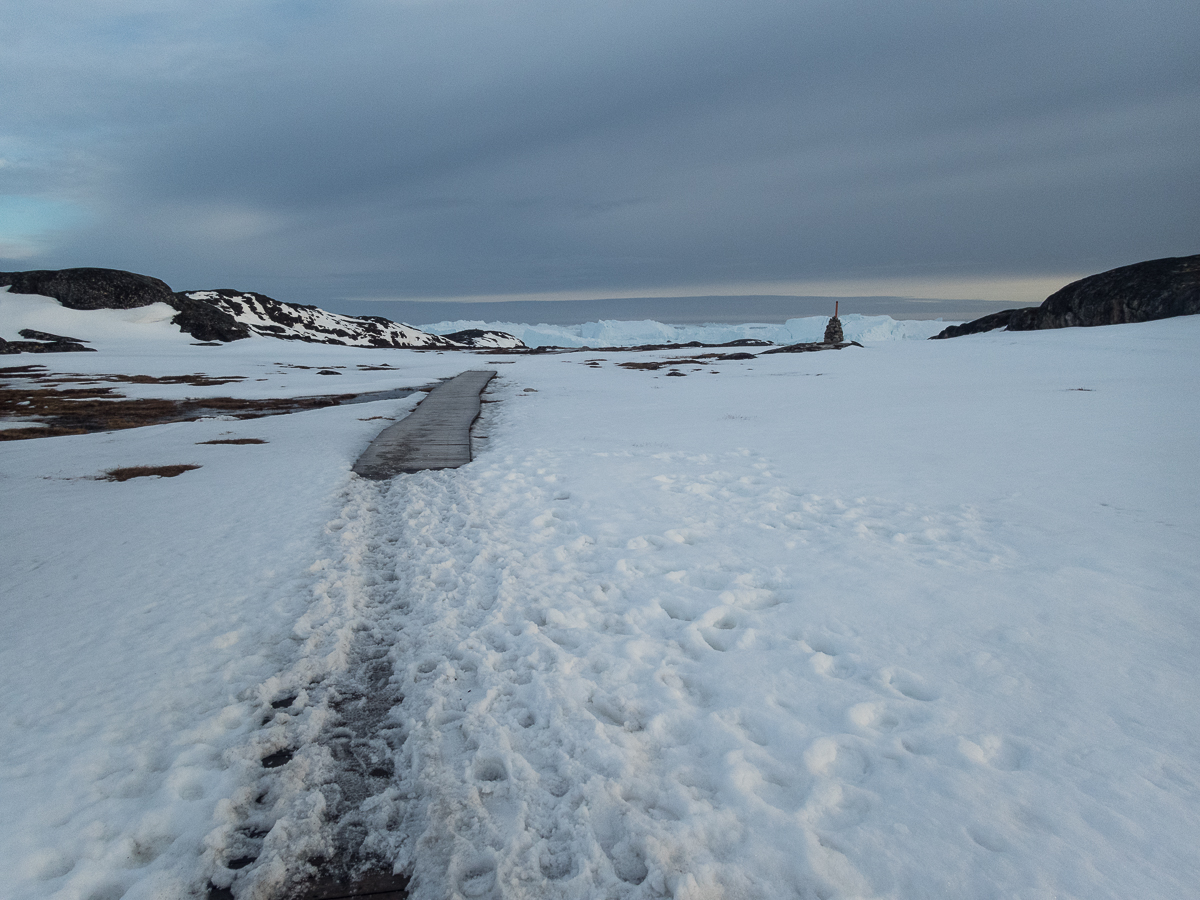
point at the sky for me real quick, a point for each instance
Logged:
(519, 150)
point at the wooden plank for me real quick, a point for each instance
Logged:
(435, 435)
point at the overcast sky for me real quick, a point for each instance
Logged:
(319, 149)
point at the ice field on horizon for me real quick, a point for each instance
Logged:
(615, 333)
(912, 620)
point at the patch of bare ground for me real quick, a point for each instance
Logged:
(39, 373)
(233, 441)
(124, 474)
(29, 394)
(88, 410)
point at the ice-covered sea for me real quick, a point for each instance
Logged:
(916, 620)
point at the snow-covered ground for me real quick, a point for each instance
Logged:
(913, 620)
(609, 333)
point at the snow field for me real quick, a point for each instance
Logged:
(638, 660)
(916, 620)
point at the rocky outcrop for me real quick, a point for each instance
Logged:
(485, 339)
(269, 317)
(30, 335)
(118, 289)
(44, 342)
(206, 322)
(1143, 292)
(90, 288)
(812, 347)
(10, 347)
(228, 315)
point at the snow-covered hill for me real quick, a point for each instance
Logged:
(292, 321)
(225, 315)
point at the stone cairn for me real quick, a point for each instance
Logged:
(833, 331)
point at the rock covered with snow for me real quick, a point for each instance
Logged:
(1143, 292)
(90, 289)
(296, 322)
(485, 339)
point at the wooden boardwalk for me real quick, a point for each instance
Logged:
(435, 435)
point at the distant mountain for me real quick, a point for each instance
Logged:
(1142, 292)
(228, 315)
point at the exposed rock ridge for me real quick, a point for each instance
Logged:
(117, 289)
(1142, 292)
(35, 346)
(90, 288)
(292, 321)
(484, 339)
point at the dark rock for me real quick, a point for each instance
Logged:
(205, 322)
(32, 335)
(1143, 292)
(812, 347)
(1003, 319)
(833, 332)
(90, 288)
(11, 347)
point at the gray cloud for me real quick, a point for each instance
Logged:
(341, 149)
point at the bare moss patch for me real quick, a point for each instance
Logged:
(70, 404)
(124, 474)
(87, 410)
(39, 373)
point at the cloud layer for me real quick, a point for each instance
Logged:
(442, 148)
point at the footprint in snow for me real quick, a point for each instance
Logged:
(994, 751)
(873, 716)
(909, 684)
